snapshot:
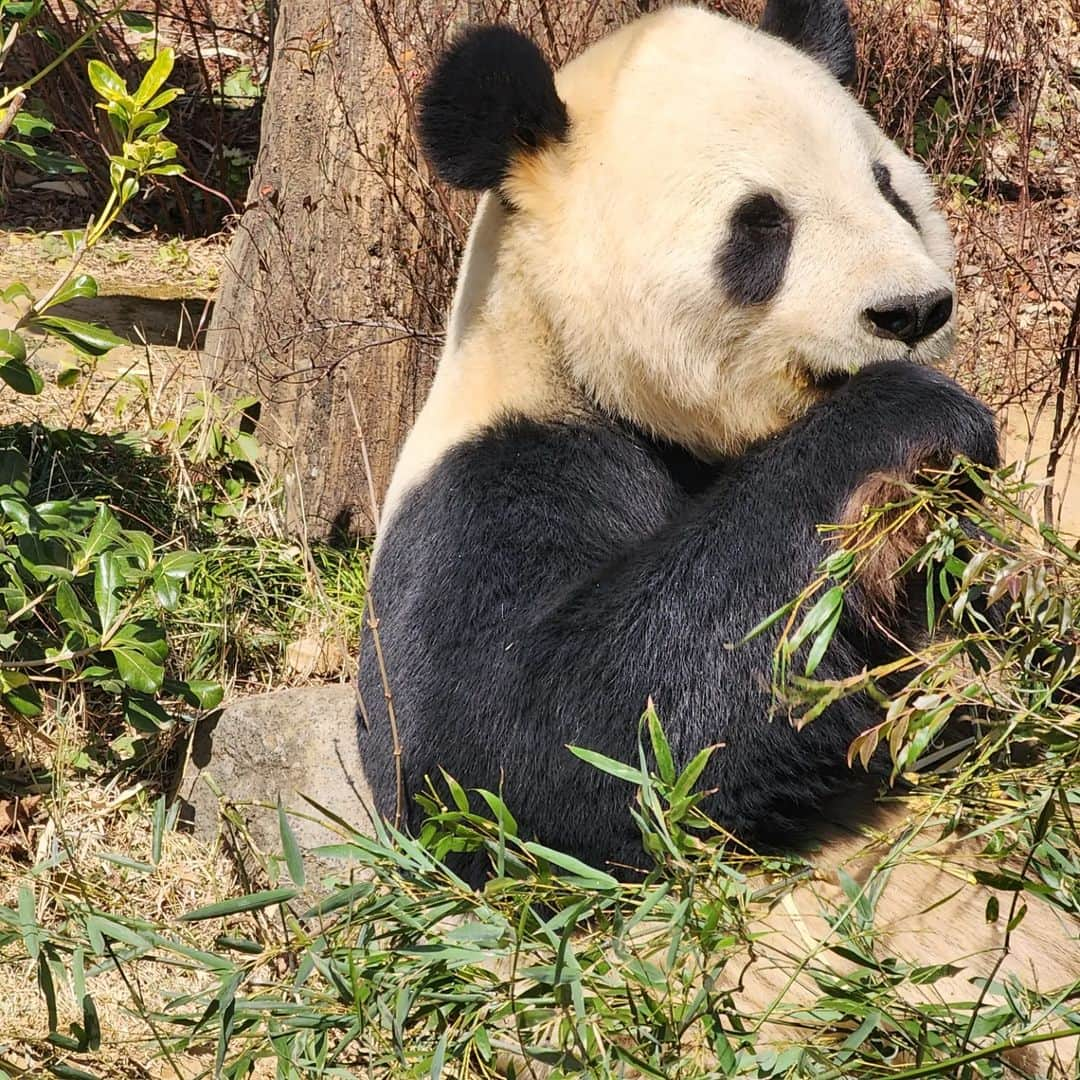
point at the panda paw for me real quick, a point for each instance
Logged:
(913, 416)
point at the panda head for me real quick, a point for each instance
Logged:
(712, 231)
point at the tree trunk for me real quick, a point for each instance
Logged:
(328, 311)
(331, 305)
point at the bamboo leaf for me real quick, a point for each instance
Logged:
(665, 763)
(816, 619)
(294, 861)
(157, 835)
(109, 928)
(252, 902)
(607, 765)
(689, 776)
(585, 874)
(821, 642)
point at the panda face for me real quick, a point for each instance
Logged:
(717, 234)
(725, 235)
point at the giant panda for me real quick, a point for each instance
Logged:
(698, 313)
(697, 316)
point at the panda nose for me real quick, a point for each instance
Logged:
(910, 319)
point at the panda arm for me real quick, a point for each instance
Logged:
(662, 619)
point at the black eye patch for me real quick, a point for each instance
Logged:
(883, 179)
(753, 258)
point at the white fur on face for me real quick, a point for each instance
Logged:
(603, 282)
(674, 121)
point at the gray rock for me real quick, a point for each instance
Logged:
(279, 745)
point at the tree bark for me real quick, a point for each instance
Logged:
(331, 305)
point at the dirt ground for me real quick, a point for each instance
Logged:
(156, 293)
(1027, 434)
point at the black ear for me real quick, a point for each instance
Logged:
(491, 96)
(821, 28)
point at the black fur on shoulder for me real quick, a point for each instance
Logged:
(821, 28)
(491, 96)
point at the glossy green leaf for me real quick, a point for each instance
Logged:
(203, 693)
(46, 161)
(108, 576)
(138, 670)
(15, 291)
(141, 546)
(67, 377)
(178, 564)
(12, 345)
(166, 591)
(138, 21)
(19, 512)
(147, 636)
(103, 533)
(21, 697)
(70, 608)
(155, 76)
(106, 82)
(21, 377)
(86, 337)
(145, 714)
(80, 287)
(14, 472)
(166, 97)
(32, 125)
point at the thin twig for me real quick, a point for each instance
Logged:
(11, 112)
(373, 626)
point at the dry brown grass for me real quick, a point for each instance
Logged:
(1007, 156)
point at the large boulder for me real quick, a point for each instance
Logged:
(280, 745)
